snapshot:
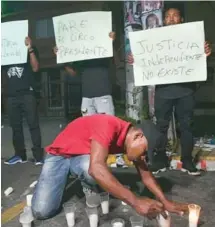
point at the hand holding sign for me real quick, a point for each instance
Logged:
(208, 49)
(28, 42)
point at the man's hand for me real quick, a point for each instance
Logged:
(112, 35)
(55, 50)
(174, 207)
(130, 59)
(208, 49)
(28, 42)
(148, 207)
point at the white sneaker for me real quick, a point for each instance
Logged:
(120, 162)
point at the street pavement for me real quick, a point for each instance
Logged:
(176, 185)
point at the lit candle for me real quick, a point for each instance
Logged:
(194, 211)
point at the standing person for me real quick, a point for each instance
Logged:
(82, 148)
(22, 101)
(96, 87)
(180, 96)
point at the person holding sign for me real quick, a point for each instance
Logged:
(22, 100)
(96, 87)
(180, 96)
(82, 148)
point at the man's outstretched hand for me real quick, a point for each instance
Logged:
(148, 207)
(175, 207)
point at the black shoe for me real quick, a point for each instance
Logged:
(189, 167)
(158, 167)
(160, 163)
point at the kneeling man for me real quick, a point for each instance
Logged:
(82, 148)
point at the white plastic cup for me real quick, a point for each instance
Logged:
(118, 222)
(70, 218)
(29, 199)
(28, 211)
(8, 191)
(162, 222)
(25, 219)
(69, 209)
(104, 196)
(93, 200)
(93, 217)
(136, 221)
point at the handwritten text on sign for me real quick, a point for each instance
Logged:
(173, 54)
(82, 36)
(13, 49)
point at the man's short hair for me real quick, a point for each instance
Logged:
(174, 5)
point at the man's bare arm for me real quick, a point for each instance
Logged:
(149, 180)
(100, 172)
(33, 61)
(33, 58)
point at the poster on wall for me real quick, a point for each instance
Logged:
(163, 56)
(82, 36)
(152, 19)
(13, 48)
(148, 6)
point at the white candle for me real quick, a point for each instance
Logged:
(26, 224)
(70, 218)
(194, 211)
(118, 224)
(94, 219)
(193, 220)
(162, 222)
(29, 200)
(105, 207)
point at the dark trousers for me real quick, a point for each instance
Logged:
(19, 106)
(184, 112)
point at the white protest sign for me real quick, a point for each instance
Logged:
(172, 54)
(13, 49)
(82, 36)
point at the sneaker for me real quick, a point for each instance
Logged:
(120, 162)
(160, 163)
(15, 159)
(189, 167)
(157, 167)
(39, 163)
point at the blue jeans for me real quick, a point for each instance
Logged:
(48, 194)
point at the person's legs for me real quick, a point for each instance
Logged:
(30, 111)
(48, 194)
(87, 107)
(184, 111)
(104, 105)
(163, 111)
(15, 118)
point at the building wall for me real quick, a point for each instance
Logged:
(198, 11)
(37, 13)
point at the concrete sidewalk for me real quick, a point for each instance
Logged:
(177, 186)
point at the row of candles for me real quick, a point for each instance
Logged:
(26, 217)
